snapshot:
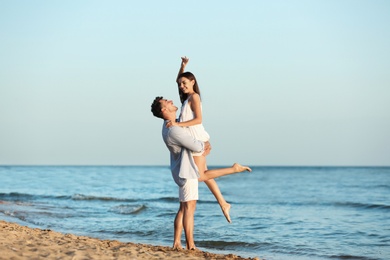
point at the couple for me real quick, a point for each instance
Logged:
(188, 144)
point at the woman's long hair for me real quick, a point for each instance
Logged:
(189, 76)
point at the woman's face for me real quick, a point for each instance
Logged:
(186, 85)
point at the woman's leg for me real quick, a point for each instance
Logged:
(225, 207)
(206, 175)
(213, 187)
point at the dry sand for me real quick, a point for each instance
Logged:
(20, 242)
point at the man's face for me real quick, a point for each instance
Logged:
(168, 105)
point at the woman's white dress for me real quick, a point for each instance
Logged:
(196, 131)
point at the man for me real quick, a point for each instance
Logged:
(184, 170)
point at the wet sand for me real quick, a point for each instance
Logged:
(21, 242)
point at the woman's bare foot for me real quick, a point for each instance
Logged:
(239, 168)
(225, 211)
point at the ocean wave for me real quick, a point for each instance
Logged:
(219, 244)
(352, 257)
(102, 198)
(130, 233)
(128, 209)
(164, 199)
(358, 205)
(362, 205)
(91, 197)
(382, 186)
(16, 196)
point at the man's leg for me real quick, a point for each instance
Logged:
(188, 195)
(188, 222)
(178, 227)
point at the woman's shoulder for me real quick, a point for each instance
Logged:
(194, 97)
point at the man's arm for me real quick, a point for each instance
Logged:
(182, 138)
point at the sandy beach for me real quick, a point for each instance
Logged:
(21, 242)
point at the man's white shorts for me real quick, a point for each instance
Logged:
(189, 191)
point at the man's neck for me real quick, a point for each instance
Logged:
(172, 119)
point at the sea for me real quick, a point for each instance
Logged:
(278, 213)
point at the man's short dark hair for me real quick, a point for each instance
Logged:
(156, 107)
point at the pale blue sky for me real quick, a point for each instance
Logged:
(283, 82)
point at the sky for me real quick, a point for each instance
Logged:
(283, 83)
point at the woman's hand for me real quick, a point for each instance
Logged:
(207, 148)
(183, 64)
(184, 61)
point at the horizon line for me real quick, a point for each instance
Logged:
(167, 165)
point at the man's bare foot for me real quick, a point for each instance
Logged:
(177, 247)
(239, 168)
(225, 211)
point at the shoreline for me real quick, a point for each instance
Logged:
(22, 242)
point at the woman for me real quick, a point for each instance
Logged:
(191, 118)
